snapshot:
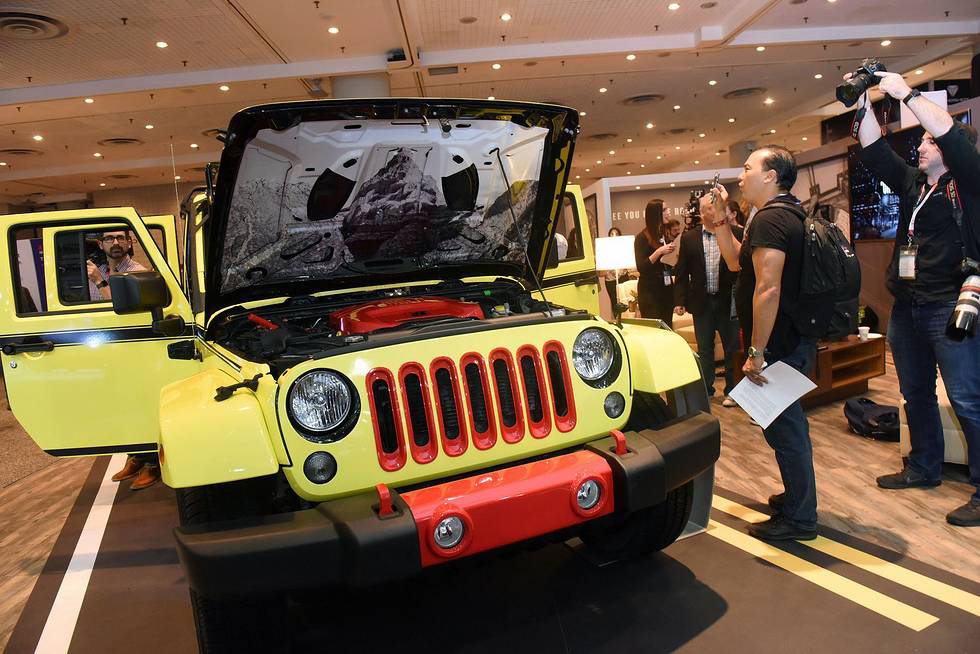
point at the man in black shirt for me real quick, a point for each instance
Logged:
(770, 258)
(938, 228)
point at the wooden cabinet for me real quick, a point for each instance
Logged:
(842, 370)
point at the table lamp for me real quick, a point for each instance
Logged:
(615, 253)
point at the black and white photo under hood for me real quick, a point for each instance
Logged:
(337, 198)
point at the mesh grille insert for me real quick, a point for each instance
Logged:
(386, 416)
(447, 403)
(506, 393)
(416, 410)
(474, 385)
(557, 384)
(531, 388)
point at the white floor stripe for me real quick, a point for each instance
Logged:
(60, 625)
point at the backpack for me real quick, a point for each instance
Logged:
(830, 279)
(872, 420)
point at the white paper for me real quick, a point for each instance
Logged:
(670, 259)
(765, 403)
(908, 118)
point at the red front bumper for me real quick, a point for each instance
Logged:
(510, 505)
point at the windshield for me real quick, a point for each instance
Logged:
(343, 198)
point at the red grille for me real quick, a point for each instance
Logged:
(478, 401)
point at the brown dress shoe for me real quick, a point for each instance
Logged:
(148, 476)
(131, 468)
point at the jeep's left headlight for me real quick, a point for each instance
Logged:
(319, 402)
(593, 354)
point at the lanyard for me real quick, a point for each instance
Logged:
(915, 211)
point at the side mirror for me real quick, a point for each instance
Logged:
(137, 292)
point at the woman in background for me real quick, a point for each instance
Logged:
(655, 289)
(610, 276)
(735, 215)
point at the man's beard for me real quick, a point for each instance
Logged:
(116, 252)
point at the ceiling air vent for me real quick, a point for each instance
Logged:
(20, 152)
(642, 99)
(744, 93)
(121, 140)
(29, 26)
(603, 136)
(676, 130)
(121, 176)
(443, 70)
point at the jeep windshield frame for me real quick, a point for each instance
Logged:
(230, 279)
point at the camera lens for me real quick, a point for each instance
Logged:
(849, 92)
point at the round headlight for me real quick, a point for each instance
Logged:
(320, 400)
(593, 354)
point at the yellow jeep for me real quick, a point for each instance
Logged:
(377, 349)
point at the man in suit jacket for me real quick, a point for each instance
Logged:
(704, 287)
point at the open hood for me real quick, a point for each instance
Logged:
(331, 194)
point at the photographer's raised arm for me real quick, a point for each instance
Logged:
(869, 130)
(729, 246)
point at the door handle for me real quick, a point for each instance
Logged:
(585, 281)
(35, 346)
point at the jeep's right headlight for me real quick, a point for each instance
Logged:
(319, 402)
(593, 354)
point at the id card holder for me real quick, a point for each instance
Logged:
(668, 278)
(906, 262)
(733, 312)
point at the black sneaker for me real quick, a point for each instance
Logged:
(776, 501)
(779, 528)
(906, 479)
(967, 515)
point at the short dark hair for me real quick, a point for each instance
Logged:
(783, 162)
(971, 132)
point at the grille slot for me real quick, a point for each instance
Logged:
(560, 376)
(415, 394)
(480, 402)
(508, 413)
(448, 404)
(508, 396)
(535, 393)
(450, 417)
(478, 406)
(416, 409)
(531, 389)
(557, 384)
(386, 416)
(389, 439)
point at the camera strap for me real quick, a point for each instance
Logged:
(953, 195)
(856, 125)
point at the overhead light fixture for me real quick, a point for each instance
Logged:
(3, 163)
(629, 140)
(712, 82)
(588, 170)
(148, 126)
(731, 120)
(643, 165)
(637, 188)
(717, 154)
(673, 6)
(598, 161)
(581, 113)
(760, 48)
(919, 72)
(630, 57)
(505, 17)
(177, 177)
(629, 172)
(578, 177)
(96, 154)
(37, 137)
(333, 30)
(162, 44)
(676, 107)
(886, 42)
(490, 97)
(101, 183)
(701, 135)
(697, 161)
(603, 89)
(224, 87)
(677, 147)
(649, 125)
(194, 145)
(658, 156)
(768, 101)
(831, 1)
(612, 152)
(772, 131)
(89, 100)
(495, 66)
(805, 138)
(672, 185)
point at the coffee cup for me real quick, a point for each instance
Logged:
(863, 333)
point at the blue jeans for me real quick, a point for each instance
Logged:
(917, 335)
(716, 316)
(789, 437)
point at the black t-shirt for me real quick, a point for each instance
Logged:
(778, 228)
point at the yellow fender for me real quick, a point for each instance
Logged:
(660, 358)
(207, 442)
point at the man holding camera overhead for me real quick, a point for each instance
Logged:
(936, 249)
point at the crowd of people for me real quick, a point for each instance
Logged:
(737, 270)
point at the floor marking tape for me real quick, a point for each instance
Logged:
(920, 583)
(60, 625)
(902, 613)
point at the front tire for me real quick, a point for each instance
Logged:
(644, 531)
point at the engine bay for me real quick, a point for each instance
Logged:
(307, 327)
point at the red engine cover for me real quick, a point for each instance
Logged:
(366, 318)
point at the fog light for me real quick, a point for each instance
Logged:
(449, 532)
(588, 494)
(320, 467)
(614, 404)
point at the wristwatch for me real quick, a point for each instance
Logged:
(102, 284)
(912, 94)
(753, 353)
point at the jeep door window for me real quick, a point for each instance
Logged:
(569, 226)
(28, 271)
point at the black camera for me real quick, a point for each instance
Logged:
(963, 322)
(861, 80)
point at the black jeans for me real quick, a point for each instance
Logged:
(716, 316)
(789, 437)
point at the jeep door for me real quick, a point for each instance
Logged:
(573, 282)
(80, 378)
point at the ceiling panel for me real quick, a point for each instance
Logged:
(823, 13)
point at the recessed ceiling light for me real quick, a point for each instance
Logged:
(637, 188)
(194, 145)
(672, 185)
(673, 6)
(101, 183)
(505, 17)
(148, 126)
(677, 147)
(919, 72)
(176, 176)
(649, 125)
(643, 165)
(612, 152)
(630, 57)
(598, 161)
(588, 170)
(772, 131)
(603, 89)
(628, 172)
(89, 100)
(578, 177)
(760, 48)
(162, 44)
(697, 161)
(731, 120)
(333, 30)
(717, 154)
(701, 135)
(490, 97)
(805, 138)
(3, 163)
(818, 76)
(831, 1)
(886, 43)
(768, 101)
(224, 87)
(676, 107)
(629, 140)
(712, 82)
(658, 156)
(495, 66)
(96, 154)
(581, 113)
(37, 137)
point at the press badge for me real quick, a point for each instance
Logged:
(906, 262)
(668, 279)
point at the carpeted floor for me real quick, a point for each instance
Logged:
(21, 457)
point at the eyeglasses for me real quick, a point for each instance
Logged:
(108, 240)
